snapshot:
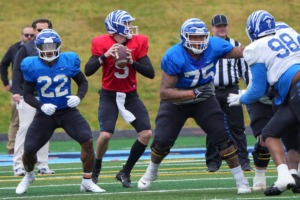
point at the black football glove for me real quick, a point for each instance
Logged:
(203, 91)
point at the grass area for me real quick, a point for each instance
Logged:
(79, 21)
(178, 178)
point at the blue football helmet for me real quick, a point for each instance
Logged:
(260, 23)
(48, 44)
(118, 21)
(194, 26)
(281, 25)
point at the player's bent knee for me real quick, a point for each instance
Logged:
(160, 151)
(261, 156)
(228, 150)
(145, 136)
(105, 136)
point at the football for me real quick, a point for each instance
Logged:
(120, 57)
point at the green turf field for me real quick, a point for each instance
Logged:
(178, 178)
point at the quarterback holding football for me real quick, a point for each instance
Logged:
(121, 53)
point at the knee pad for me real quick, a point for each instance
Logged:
(230, 153)
(160, 151)
(261, 155)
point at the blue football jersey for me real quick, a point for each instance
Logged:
(192, 72)
(53, 83)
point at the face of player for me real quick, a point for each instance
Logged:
(197, 40)
(220, 30)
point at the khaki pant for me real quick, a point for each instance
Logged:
(13, 126)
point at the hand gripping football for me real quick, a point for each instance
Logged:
(120, 57)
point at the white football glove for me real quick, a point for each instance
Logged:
(73, 101)
(234, 99)
(48, 108)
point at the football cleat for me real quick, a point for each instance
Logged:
(45, 171)
(259, 184)
(243, 187)
(24, 184)
(146, 181)
(89, 186)
(275, 190)
(19, 172)
(296, 189)
(124, 179)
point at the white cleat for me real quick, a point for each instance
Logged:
(243, 187)
(90, 186)
(19, 172)
(259, 184)
(24, 184)
(146, 181)
(45, 171)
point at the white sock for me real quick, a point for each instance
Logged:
(30, 173)
(282, 171)
(260, 172)
(152, 167)
(238, 174)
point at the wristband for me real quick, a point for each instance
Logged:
(103, 58)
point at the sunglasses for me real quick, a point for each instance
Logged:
(39, 29)
(27, 35)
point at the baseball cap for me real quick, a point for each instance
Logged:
(218, 20)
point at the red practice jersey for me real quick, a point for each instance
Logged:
(119, 79)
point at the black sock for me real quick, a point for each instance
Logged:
(97, 165)
(136, 152)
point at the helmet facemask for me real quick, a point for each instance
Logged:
(49, 51)
(196, 46)
(125, 29)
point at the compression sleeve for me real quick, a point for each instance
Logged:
(259, 85)
(29, 88)
(144, 67)
(92, 65)
(82, 84)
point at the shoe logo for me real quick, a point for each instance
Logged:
(143, 183)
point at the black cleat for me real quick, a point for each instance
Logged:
(296, 189)
(95, 176)
(272, 191)
(247, 167)
(124, 179)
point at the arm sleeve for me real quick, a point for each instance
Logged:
(144, 67)
(29, 97)
(17, 76)
(92, 65)
(6, 60)
(82, 84)
(259, 84)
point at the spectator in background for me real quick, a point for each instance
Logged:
(26, 112)
(27, 34)
(119, 88)
(228, 73)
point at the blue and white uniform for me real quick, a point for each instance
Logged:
(52, 82)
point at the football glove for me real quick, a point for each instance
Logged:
(234, 99)
(48, 108)
(73, 101)
(203, 91)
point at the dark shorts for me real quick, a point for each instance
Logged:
(286, 118)
(43, 126)
(207, 114)
(108, 111)
(260, 114)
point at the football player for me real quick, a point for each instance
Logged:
(187, 91)
(51, 73)
(273, 57)
(118, 93)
